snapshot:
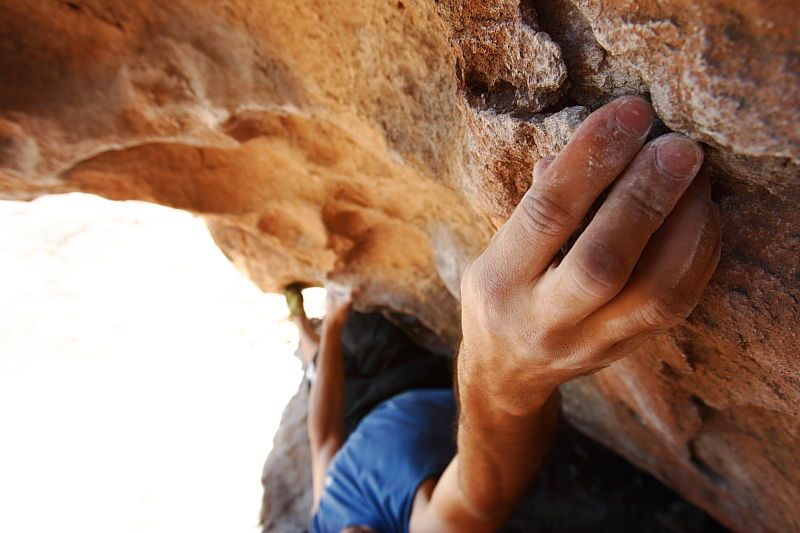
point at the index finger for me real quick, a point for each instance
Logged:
(559, 199)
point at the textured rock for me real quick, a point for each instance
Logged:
(287, 471)
(381, 143)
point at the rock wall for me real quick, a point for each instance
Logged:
(382, 143)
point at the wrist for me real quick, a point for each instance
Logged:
(478, 419)
(491, 441)
(493, 386)
(333, 322)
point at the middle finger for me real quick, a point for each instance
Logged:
(602, 259)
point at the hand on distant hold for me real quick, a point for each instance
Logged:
(532, 322)
(294, 300)
(338, 301)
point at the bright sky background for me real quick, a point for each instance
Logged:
(142, 378)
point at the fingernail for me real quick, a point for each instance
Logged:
(634, 116)
(678, 156)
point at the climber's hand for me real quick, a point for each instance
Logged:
(531, 322)
(338, 301)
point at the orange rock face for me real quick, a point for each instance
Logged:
(382, 143)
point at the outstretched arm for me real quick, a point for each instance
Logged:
(532, 322)
(326, 398)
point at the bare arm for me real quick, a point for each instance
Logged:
(309, 339)
(532, 322)
(498, 457)
(326, 398)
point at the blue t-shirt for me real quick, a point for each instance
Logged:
(373, 478)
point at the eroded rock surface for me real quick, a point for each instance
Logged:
(382, 143)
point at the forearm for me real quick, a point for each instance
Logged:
(499, 455)
(499, 452)
(326, 398)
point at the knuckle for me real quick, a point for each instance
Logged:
(542, 213)
(469, 283)
(481, 285)
(488, 302)
(599, 271)
(666, 311)
(648, 206)
(547, 338)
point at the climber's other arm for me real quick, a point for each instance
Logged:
(326, 397)
(532, 322)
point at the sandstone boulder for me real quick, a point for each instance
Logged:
(382, 143)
